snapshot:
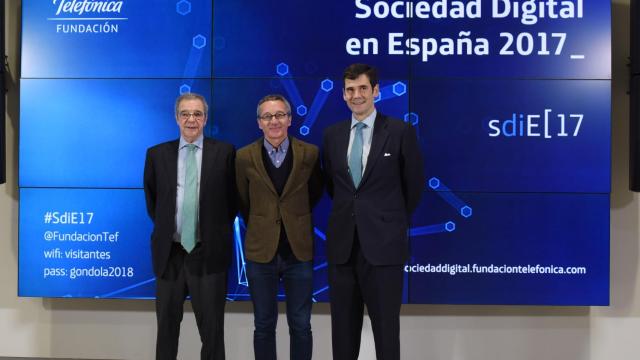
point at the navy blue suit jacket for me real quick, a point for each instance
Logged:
(381, 207)
(217, 203)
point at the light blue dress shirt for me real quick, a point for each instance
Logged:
(278, 154)
(367, 133)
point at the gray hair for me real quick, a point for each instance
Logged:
(192, 96)
(273, 97)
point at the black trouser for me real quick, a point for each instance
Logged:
(354, 284)
(208, 296)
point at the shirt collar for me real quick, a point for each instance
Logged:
(284, 146)
(369, 120)
(197, 142)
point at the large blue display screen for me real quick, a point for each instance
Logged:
(116, 39)
(510, 99)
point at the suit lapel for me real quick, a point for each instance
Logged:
(258, 164)
(298, 159)
(209, 151)
(379, 138)
(342, 145)
(340, 148)
(172, 162)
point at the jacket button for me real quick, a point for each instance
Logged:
(353, 214)
(278, 221)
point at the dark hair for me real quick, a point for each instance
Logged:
(353, 71)
(274, 97)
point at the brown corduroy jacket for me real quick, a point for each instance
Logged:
(263, 210)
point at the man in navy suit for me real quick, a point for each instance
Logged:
(375, 178)
(190, 189)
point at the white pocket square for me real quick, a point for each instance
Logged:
(387, 154)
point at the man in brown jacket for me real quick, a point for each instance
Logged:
(279, 182)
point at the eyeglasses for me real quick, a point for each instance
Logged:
(185, 115)
(268, 116)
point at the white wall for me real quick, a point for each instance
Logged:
(118, 329)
